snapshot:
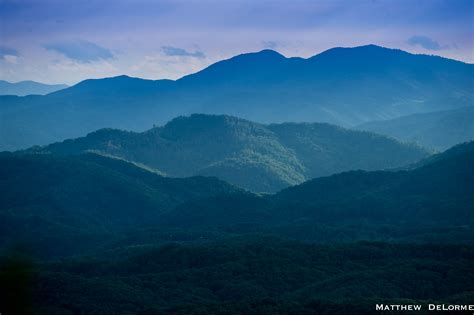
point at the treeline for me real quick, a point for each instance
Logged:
(254, 275)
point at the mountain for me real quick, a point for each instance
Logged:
(438, 130)
(50, 199)
(86, 202)
(437, 193)
(23, 88)
(262, 158)
(345, 86)
(438, 190)
(103, 229)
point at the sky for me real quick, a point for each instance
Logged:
(66, 41)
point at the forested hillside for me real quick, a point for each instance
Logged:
(261, 158)
(81, 229)
(49, 197)
(257, 275)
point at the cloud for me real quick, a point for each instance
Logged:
(11, 59)
(425, 42)
(180, 52)
(81, 51)
(9, 55)
(5, 51)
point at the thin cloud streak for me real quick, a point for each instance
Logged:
(80, 51)
(426, 42)
(180, 52)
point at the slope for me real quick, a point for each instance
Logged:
(23, 88)
(262, 158)
(438, 130)
(49, 199)
(346, 86)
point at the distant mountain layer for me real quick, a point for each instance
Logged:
(23, 88)
(263, 158)
(438, 130)
(345, 86)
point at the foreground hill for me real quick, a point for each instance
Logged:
(262, 158)
(148, 244)
(49, 199)
(345, 86)
(80, 199)
(257, 276)
(438, 130)
(439, 190)
(24, 88)
(437, 193)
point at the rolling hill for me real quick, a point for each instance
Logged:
(438, 130)
(261, 158)
(86, 202)
(50, 199)
(345, 86)
(149, 244)
(439, 190)
(436, 193)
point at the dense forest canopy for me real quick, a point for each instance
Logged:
(145, 243)
(261, 158)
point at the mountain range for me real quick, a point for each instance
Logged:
(75, 201)
(170, 204)
(437, 130)
(345, 86)
(24, 88)
(258, 157)
(103, 229)
(436, 192)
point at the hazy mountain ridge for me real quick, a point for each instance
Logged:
(24, 88)
(251, 155)
(346, 86)
(438, 130)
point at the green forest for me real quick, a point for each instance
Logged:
(90, 234)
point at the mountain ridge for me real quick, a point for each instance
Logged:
(438, 130)
(89, 198)
(28, 87)
(259, 157)
(346, 86)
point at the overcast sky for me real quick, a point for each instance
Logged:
(66, 41)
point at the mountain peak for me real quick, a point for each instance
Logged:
(203, 123)
(267, 53)
(357, 51)
(240, 67)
